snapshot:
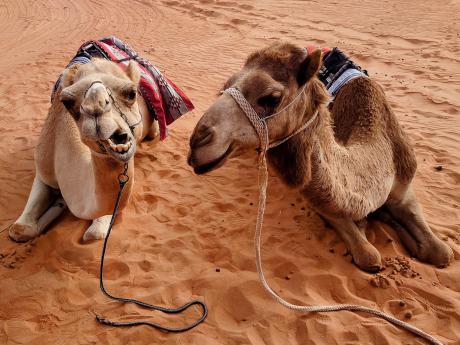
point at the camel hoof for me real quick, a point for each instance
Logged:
(372, 269)
(368, 259)
(437, 253)
(94, 232)
(23, 232)
(445, 258)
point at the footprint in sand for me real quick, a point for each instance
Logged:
(115, 269)
(238, 305)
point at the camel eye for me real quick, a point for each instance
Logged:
(131, 95)
(270, 101)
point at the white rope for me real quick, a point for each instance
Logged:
(302, 128)
(287, 106)
(261, 129)
(7, 227)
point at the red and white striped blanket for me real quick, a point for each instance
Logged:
(165, 100)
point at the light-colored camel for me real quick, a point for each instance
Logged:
(83, 147)
(349, 163)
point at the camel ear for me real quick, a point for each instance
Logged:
(69, 74)
(68, 98)
(309, 67)
(68, 94)
(132, 71)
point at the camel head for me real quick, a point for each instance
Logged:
(102, 99)
(270, 80)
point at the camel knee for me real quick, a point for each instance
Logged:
(39, 200)
(364, 254)
(402, 200)
(27, 227)
(405, 208)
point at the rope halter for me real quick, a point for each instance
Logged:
(132, 127)
(260, 125)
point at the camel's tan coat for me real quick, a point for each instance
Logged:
(71, 169)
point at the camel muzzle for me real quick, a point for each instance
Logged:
(98, 100)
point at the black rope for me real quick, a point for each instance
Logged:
(130, 57)
(123, 115)
(123, 178)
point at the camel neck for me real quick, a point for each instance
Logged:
(297, 160)
(105, 172)
(88, 183)
(326, 171)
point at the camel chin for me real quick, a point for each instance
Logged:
(120, 152)
(204, 166)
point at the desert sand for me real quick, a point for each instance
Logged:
(185, 236)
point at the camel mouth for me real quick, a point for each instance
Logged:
(120, 146)
(214, 164)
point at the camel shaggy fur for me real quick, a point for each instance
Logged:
(352, 161)
(83, 147)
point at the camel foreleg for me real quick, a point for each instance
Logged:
(418, 237)
(43, 206)
(364, 254)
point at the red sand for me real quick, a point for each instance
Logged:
(180, 228)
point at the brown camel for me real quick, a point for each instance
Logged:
(348, 163)
(83, 146)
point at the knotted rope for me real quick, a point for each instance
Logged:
(261, 128)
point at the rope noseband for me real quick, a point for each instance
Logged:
(260, 123)
(261, 128)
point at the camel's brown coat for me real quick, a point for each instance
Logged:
(348, 163)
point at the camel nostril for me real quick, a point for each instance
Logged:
(119, 137)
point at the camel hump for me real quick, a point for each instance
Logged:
(358, 111)
(361, 113)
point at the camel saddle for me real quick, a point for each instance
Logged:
(164, 99)
(337, 69)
